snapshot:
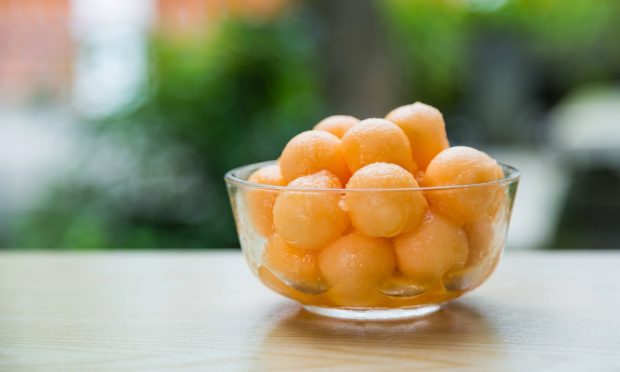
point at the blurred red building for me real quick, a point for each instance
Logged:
(36, 49)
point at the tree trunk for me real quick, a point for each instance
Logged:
(360, 76)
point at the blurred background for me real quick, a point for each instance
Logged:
(118, 119)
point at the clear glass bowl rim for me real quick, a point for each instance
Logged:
(511, 175)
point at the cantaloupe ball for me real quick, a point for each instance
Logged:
(275, 284)
(376, 140)
(480, 237)
(260, 202)
(491, 266)
(357, 257)
(484, 254)
(310, 219)
(294, 265)
(353, 266)
(401, 286)
(425, 128)
(486, 237)
(384, 213)
(337, 125)
(463, 166)
(312, 151)
(355, 294)
(428, 252)
(498, 207)
(434, 294)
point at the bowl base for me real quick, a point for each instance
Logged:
(373, 314)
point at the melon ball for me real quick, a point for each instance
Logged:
(463, 166)
(480, 237)
(425, 128)
(431, 250)
(293, 265)
(337, 125)
(384, 213)
(486, 238)
(500, 203)
(490, 266)
(260, 201)
(376, 140)
(310, 219)
(312, 151)
(353, 266)
(355, 294)
(275, 284)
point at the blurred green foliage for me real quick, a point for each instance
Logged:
(576, 39)
(501, 63)
(432, 39)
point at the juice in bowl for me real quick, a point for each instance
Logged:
(374, 219)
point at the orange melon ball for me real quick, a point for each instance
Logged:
(425, 128)
(486, 238)
(376, 140)
(260, 202)
(474, 273)
(463, 166)
(498, 207)
(428, 252)
(353, 266)
(293, 265)
(491, 266)
(337, 125)
(310, 219)
(312, 151)
(384, 213)
(355, 294)
(276, 285)
(434, 294)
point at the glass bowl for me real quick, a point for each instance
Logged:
(351, 275)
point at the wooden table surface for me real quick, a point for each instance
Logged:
(205, 311)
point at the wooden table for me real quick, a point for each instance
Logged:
(204, 311)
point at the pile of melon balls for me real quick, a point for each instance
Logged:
(344, 247)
